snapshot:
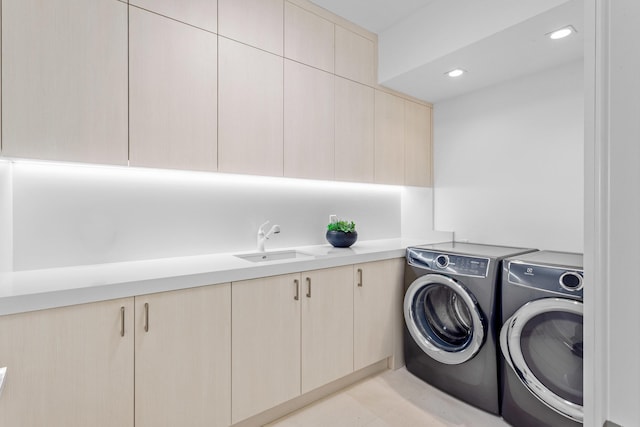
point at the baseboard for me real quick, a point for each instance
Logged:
(301, 401)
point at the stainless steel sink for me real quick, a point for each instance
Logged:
(273, 256)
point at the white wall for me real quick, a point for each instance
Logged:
(73, 214)
(6, 217)
(509, 162)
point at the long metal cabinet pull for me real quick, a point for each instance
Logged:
(297, 283)
(360, 277)
(121, 321)
(308, 287)
(146, 317)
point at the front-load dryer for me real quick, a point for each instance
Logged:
(451, 314)
(541, 340)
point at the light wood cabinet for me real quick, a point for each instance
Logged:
(69, 366)
(327, 326)
(308, 122)
(199, 13)
(389, 139)
(258, 23)
(173, 91)
(378, 294)
(265, 368)
(308, 38)
(64, 80)
(354, 132)
(355, 56)
(183, 357)
(290, 334)
(250, 133)
(417, 144)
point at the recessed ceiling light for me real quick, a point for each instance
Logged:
(455, 73)
(561, 32)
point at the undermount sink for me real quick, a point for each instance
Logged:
(273, 256)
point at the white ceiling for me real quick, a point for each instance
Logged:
(374, 15)
(496, 53)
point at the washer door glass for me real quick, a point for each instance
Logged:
(543, 344)
(443, 318)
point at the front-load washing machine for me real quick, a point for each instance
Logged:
(541, 340)
(451, 314)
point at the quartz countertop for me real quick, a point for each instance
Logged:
(31, 290)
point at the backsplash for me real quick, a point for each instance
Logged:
(77, 214)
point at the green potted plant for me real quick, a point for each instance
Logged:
(342, 234)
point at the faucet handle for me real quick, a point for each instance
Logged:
(261, 228)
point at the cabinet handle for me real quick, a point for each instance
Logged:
(359, 277)
(297, 283)
(146, 317)
(3, 373)
(121, 321)
(308, 287)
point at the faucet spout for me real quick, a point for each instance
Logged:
(263, 235)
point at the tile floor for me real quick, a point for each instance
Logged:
(390, 399)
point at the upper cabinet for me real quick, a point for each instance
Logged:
(308, 38)
(355, 56)
(417, 144)
(173, 91)
(64, 80)
(199, 13)
(308, 122)
(250, 132)
(260, 87)
(354, 147)
(389, 139)
(258, 23)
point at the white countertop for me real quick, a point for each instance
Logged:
(56, 287)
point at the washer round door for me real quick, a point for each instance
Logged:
(542, 342)
(444, 319)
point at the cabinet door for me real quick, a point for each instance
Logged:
(308, 122)
(258, 23)
(265, 344)
(389, 139)
(68, 366)
(183, 357)
(64, 80)
(355, 57)
(199, 13)
(378, 294)
(417, 162)
(327, 326)
(354, 123)
(308, 38)
(250, 133)
(173, 92)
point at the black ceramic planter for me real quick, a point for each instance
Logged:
(340, 239)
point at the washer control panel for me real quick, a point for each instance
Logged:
(449, 263)
(555, 279)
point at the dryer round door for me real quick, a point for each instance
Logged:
(542, 342)
(443, 318)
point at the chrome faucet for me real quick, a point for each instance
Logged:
(263, 236)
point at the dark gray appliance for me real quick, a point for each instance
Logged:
(451, 318)
(541, 340)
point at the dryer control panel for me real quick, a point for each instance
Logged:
(449, 263)
(555, 279)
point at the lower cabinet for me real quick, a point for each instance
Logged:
(290, 334)
(211, 355)
(69, 367)
(183, 358)
(378, 294)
